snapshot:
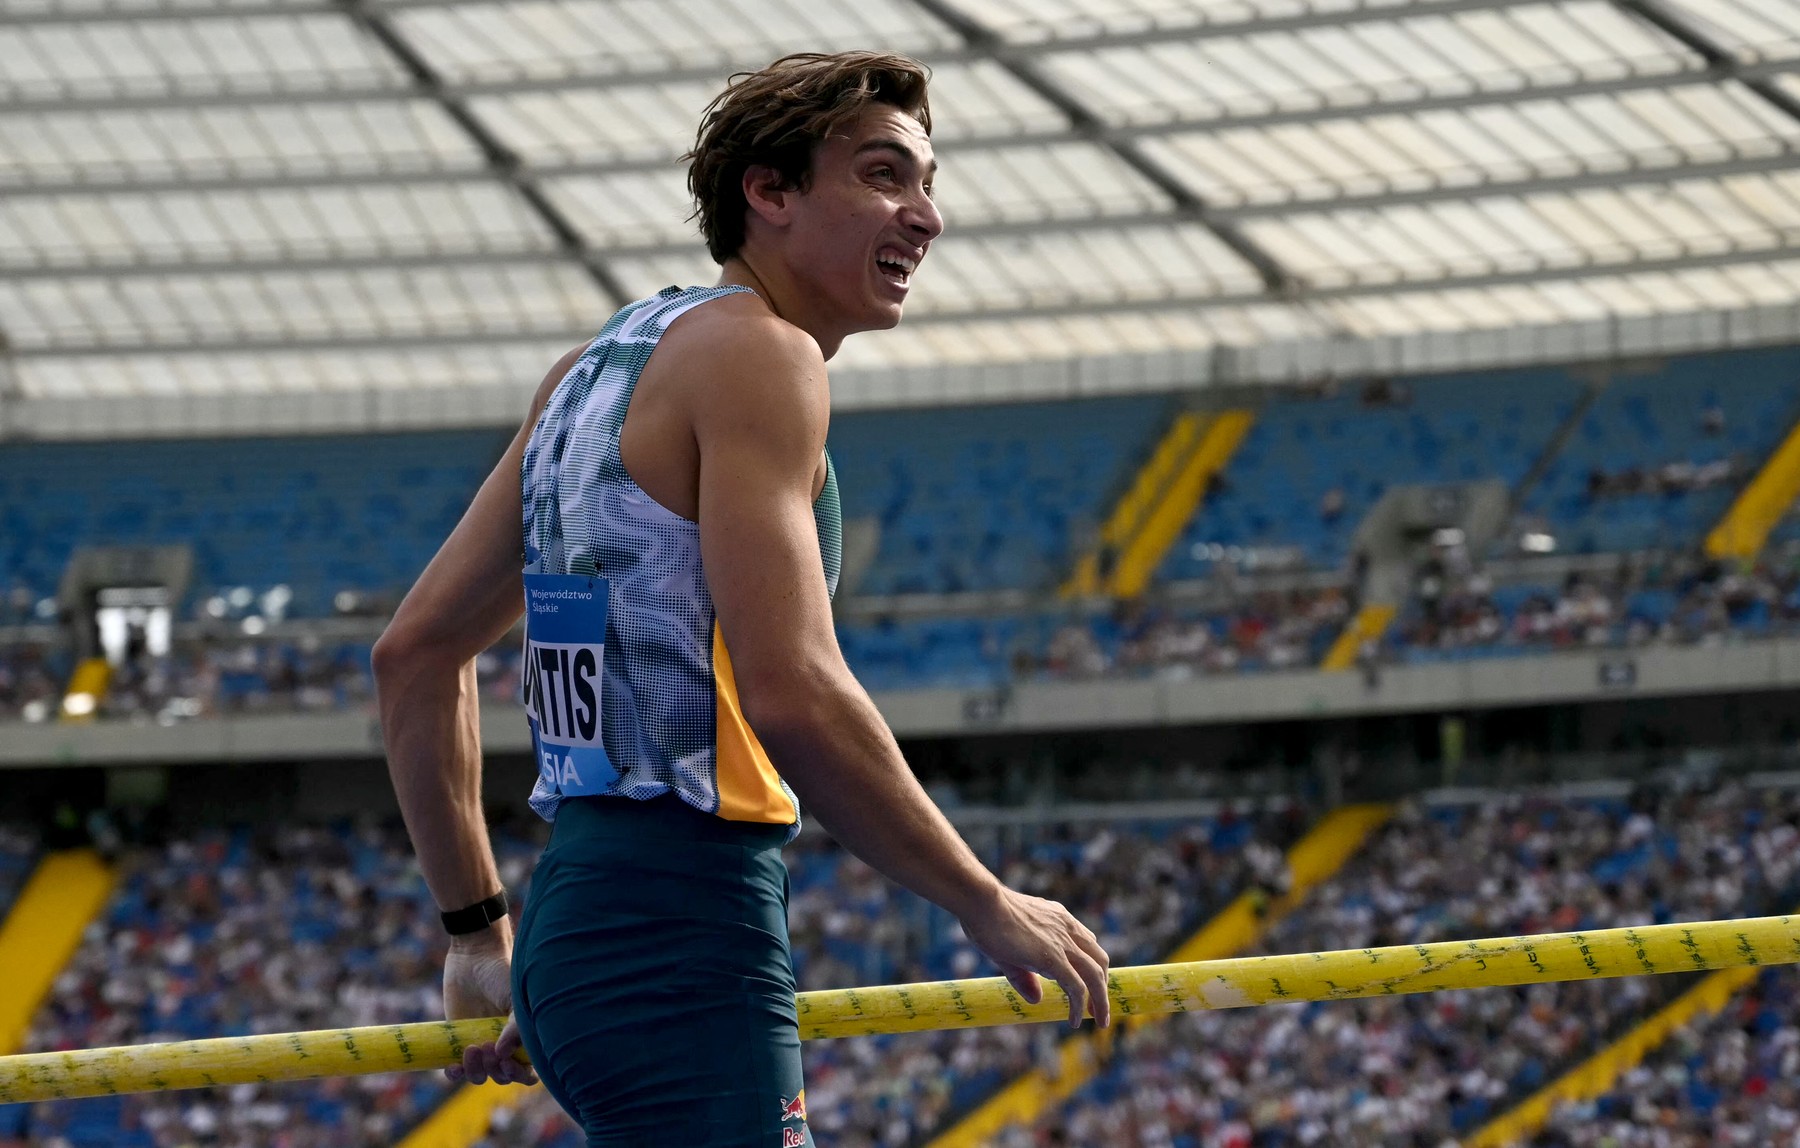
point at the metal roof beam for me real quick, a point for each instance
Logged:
(1089, 126)
(1672, 22)
(1071, 309)
(501, 159)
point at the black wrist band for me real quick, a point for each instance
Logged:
(476, 917)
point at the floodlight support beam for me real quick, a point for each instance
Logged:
(502, 160)
(1667, 19)
(1188, 206)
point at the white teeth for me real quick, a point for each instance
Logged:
(903, 262)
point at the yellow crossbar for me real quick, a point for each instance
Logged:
(1315, 858)
(65, 893)
(1746, 526)
(1147, 990)
(1369, 624)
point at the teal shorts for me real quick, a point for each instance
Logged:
(652, 981)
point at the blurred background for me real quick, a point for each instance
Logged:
(1334, 486)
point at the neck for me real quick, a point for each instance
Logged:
(785, 296)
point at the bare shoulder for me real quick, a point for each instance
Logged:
(745, 357)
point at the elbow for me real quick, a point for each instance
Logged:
(791, 708)
(399, 652)
(390, 652)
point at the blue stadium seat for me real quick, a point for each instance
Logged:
(317, 514)
(1454, 429)
(1648, 421)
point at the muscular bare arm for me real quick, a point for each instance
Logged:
(760, 432)
(467, 598)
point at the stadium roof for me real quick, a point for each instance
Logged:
(246, 213)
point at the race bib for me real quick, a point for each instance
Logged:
(565, 650)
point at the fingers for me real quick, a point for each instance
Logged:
(1093, 977)
(1025, 982)
(507, 1049)
(1090, 944)
(496, 1061)
(1094, 973)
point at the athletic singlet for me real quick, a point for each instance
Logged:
(669, 718)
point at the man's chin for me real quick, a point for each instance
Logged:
(885, 317)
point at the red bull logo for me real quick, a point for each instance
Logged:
(794, 1109)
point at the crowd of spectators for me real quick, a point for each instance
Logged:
(240, 677)
(30, 679)
(1268, 630)
(1423, 1070)
(1641, 600)
(1731, 1078)
(1457, 609)
(1679, 477)
(230, 933)
(226, 933)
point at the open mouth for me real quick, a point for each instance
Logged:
(896, 268)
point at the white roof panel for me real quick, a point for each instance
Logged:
(514, 365)
(1506, 50)
(559, 38)
(178, 310)
(1493, 235)
(1634, 132)
(213, 56)
(222, 142)
(123, 229)
(315, 190)
(1754, 31)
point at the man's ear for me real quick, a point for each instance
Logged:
(767, 193)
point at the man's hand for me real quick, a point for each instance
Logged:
(478, 983)
(1026, 935)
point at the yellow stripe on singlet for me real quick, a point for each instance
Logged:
(749, 787)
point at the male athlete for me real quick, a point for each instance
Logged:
(677, 515)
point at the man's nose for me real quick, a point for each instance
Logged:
(924, 219)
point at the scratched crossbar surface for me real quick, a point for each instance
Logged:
(1146, 990)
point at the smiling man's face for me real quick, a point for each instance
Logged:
(866, 218)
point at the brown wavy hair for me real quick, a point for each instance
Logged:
(777, 116)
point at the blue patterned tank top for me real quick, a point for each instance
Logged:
(670, 716)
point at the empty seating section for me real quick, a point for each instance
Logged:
(1358, 444)
(988, 497)
(315, 514)
(1729, 410)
